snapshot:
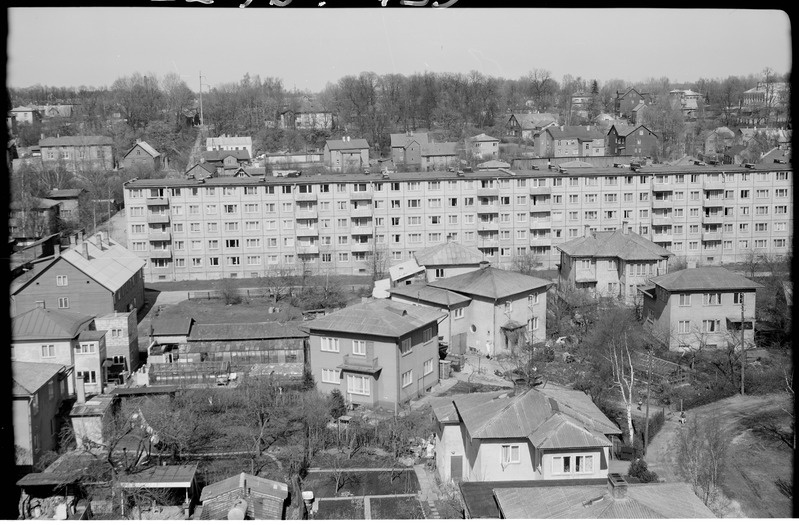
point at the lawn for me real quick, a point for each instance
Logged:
(251, 310)
(362, 483)
(399, 508)
(340, 509)
(347, 281)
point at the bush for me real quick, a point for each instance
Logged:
(230, 294)
(338, 407)
(640, 470)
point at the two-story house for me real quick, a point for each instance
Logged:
(308, 114)
(37, 391)
(548, 433)
(700, 308)
(570, 141)
(527, 125)
(26, 115)
(406, 149)
(626, 100)
(78, 153)
(440, 156)
(688, 99)
(378, 354)
(483, 146)
(346, 155)
(33, 218)
(142, 154)
(70, 202)
(92, 276)
(610, 263)
(719, 141)
(225, 162)
(122, 342)
(638, 141)
(225, 142)
(448, 260)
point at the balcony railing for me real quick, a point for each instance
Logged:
(540, 241)
(488, 192)
(662, 204)
(711, 236)
(362, 211)
(541, 224)
(661, 187)
(713, 185)
(155, 235)
(361, 364)
(305, 197)
(163, 253)
(661, 220)
(487, 226)
(307, 250)
(306, 214)
(712, 203)
(488, 243)
(540, 190)
(158, 201)
(713, 219)
(362, 195)
(361, 230)
(662, 237)
(158, 219)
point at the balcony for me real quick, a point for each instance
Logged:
(712, 203)
(307, 232)
(713, 185)
(360, 364)
(163, 253)
(308, 250)
(156, 235)
(157, 219)
(305, 197)
(362, 246)
(540, 241)
(487, 226)
(306, 214)
(492, 242)
(158, 201)
(540, 207)
(662, 220)
(362, 195)
(711, 236)
(541, 190)
(713, 219)
(488, 192)
(542, 224)
(662, 237)
(362, 211)
(361, 230)
(662, 187)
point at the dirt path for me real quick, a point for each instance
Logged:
(754, 465)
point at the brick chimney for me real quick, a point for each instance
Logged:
(85, 250)
(625, 227)
(617, 486)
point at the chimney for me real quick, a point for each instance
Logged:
(99, 240)
(484, 265)
(80, 389)
(80, 236)
(85, 250)
(56, 250)
(73, 239)
(617, 486)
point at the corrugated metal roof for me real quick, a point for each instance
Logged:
(381, 317)
(44, 324)
(66, 194)
(705, 278)
(575, 132)
(492, 283)
(30, 377)
(83, 140)
(448, 254)
(482, 137)
(218, 155)
(263, 486)
(111, 266)
(626, 246)
(246, 331)
(347, 144)
(404, 269)
(429, 294)
(170, 476)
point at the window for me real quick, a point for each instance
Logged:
(407, 378)
(428, 367)
(712, 299)
(358, 385)
(711, 326)
(737, 298)
(85, 348)
(231, 243)
(510, 454)
(685, 299)
(359, 348)
(91, 376)
(230, 208)
(508, 307)
(683, 327)
(532, 299)
(405, 346)
(561, 465)
(63, 302)
(61, 280)
(213, 261)
(329, 375)
(458, 313)
(584, 464)
(48, 351)
(233, 261)
(329, 344)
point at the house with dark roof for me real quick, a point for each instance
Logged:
(228, 143)
(548, 433)
(440, 156)
(378, 354)
(346, 155)
(506, 309)
(78, 153)
(406, 148)
(700, 308)
(610, 263)
(201, 170)
(96, 276)
(142, 154)
(483, 146)
(570, 141)
(225, 162)
(719, 141)
(70, 202)
(626, 100)
(613, 500)
(38, 389)
(33, 218)
(635, 140)
(527, 125)
(244, 497)
(308, 114)
(448, 260)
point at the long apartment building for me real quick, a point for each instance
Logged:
(251, 226)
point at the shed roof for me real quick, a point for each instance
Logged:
(43, 324)
(245, 331)
(626, 246)
(449, 254)
(429, 294)
(155, 477)
(381, 317)
(492, 283)
(172, 326)
(705, 278)
(29, 377)
(262, 486)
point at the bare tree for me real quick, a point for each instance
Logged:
(624, 378)
(701, 455)
(278, 282)
(526, 264)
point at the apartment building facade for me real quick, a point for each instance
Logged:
(251, 226)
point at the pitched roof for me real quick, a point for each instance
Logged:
(347, 144)
(151, 151)
(478, 496)
(263, 486)
(577, 132)
(623, 130)
(66, 193)
(172, 326)
(482, 137)
(39, 204)
(161, 476)
(381, 317)
(220, 154)
(705, 278)
(109, 263)
(534, 120)
(403, 140)
(428, 294)
(224, 140)
(45, 324)
(493, 164)
(643, 501)
(491, 282)
(83, 140)
(724, 131)
(404, 269)
(30, 377)
(207, 166)
(448, 254)
(626, 246)
(437, 149)
(245, 331)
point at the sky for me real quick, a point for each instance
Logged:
(307, 48)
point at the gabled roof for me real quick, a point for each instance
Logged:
(347, 144)
(66, 193)
(403, 140)
(448, 254)
(482, 137)
(643, 501)
(30, 377)
(207, 166)
(534, 120)
(577, 132)
(705, 278)
(623, 130)
(84, 140)
(437, 149)
(218, 155)
(626, 246)
(42, 324)
(381, 317)
(429, 294)
(638, 107)
(724, 131)
(109, 263)
(245, 331)
(258, 485)
(151, 151)
(492, 283)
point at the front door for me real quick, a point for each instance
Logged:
(456, 468)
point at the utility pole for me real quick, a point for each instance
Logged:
(648, 384)
(201, 98)
(743, 346)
